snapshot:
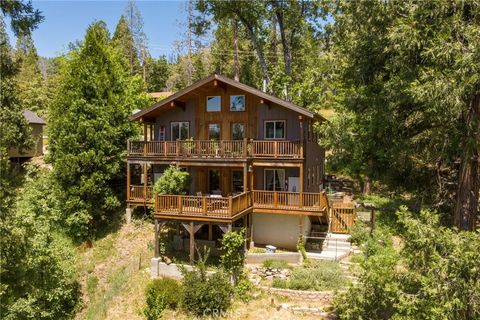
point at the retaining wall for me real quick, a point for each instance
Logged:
(259, 258)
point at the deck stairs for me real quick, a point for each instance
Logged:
(331, 246)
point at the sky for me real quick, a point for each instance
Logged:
(66, 22)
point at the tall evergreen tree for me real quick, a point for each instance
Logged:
(32, 93)
(134, 21)
(123, 40)
(157, 74)
(88, 130)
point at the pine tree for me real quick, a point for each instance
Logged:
(123, 40)
(88, 131)
(32, 93)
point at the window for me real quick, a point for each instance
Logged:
(180, 130)
(275, 129)
(237, 103)
(214, 103)
(214, 131)
(237, 181)
(238, 131)
(161, 133)
(214, 181)
(274, 179)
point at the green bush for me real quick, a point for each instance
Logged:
(243, 289)
(233, 254)
(206, 295)
(276, 264)
(321, 275)
(161, 294)
(359, 232)
(172, 181)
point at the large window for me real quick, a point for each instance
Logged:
(180, 130)
(274, 179)
(214, 132)
(275, 129)
(238, 131)
(214, 103)
(237, 103)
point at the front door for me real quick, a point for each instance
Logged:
(274, 179)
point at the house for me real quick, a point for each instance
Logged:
(253, 159)
(36, 124)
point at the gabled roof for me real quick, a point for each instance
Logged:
(233, 83)
(32, 117)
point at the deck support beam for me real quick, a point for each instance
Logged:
(210, 231)
(192, 242)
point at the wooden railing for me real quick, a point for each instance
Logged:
(137, 193)
(275, 149)
(216, 149)
(209, 207)
(288, 200)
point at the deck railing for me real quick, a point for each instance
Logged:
(215, 149)
(202, 206)
(137, 193)
(288, 200)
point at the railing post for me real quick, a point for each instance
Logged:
(275, 147)
(230, 204)
(177, 147)
(204, 205)
(275, 199)
(244, 147)
(165, 147)
(179, 199)
(300, 200)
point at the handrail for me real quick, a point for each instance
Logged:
(216, 149)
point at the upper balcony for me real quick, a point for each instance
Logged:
(212, 149)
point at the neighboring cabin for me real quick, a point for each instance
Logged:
(253, 159)
(36, 124)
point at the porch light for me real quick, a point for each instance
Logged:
(250, 168)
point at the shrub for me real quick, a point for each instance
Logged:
(359, 232)
(322, 275)
(276, 264)
(206, 295)
(161, 294)
(243, 289)
(172, 181)
(234, 256)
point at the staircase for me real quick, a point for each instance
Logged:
(335, 246)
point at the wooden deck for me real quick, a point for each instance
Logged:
(210, 149)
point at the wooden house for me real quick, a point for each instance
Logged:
(36, 124)
(253, 159)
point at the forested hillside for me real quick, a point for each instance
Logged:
(401, 82)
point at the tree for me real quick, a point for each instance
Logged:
(88, 130)
(233, 256)
(32, 94)
(134, 21)
(157, 74)
(433, 276)
(172, 181)
(123, 40)
(408, 79)
(37, 260)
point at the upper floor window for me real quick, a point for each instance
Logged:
(238, 131)
(275, 129)
(237, 103)
(180, 130)
(214, 103)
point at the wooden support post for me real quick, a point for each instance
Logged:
(157, 238)
(275, 149)
(372, 221)
(251, 181)
(210, 231)
(128, 181)
(145, 181)
(192, 242)
(144, 139)
(245, 177)
(301, 135)
(245, 147)
(300, 187)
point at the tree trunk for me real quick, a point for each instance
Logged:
(258, 48)
(236, 63)
(467, 202)
(287, 55)
(367, 185)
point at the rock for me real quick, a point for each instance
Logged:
(167, 260)
(270, 277)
